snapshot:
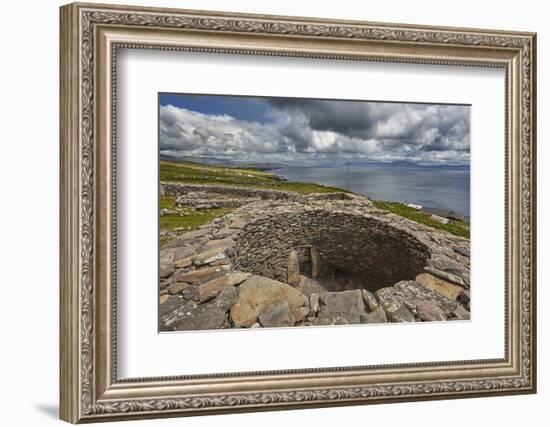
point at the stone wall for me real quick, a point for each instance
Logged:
(327, 254)
(247, 192)
(375, 253)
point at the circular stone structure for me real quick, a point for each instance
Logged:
(373, 253)
(285, 259)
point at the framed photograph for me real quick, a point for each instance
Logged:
(266, 212)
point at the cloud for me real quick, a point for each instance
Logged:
(314, 130)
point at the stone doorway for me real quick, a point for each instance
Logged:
(338, 251)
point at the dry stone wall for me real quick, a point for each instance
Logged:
(233, 272)
(373, 251)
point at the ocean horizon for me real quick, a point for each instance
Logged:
(442, 187)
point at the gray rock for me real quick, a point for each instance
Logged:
(227, 298)
(461, 313)
(449, 277)
(177, 287)
(347, 304)
(276, 314)
(166, 270)
(314, 303)
(429, 311)
(407, 292)
(462, 251)
(189, 237)
(237, 277)
(170, 304)
(257, 292)
(293, 268)
(238, 223)
(315, 262)
(211, 255)
(300, 313)
(342, 302)
(448, 289)
(376, 316)
(464, 298)
(451, 267)
(203, 275)
(220, 244)
(370, 300)
(209, 290)
(183, 262)
(190, 292)
(401, 314)
(203, 317)
(326, 319)
(166, 262)
(184, 251)
(309, 286)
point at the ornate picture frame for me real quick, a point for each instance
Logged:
(90, 37)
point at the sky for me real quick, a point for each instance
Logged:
(299, 131)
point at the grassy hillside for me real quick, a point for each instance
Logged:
(458, 228)
(196, 173)
(189, 219)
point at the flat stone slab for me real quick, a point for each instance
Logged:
(195, 317)
(237, 277)
(448, 289)
(346, 305)
(376, 316)
(371, 303)
(183, 263)
(309, 286)
(221, 244)
(400, 314)
(203, 275)
(327, 319)
(405, 294)
(176, 288)
(257, 292)
(344, 302)
(276, 314)
(169, 305)
(210, 289)
(461, 313)
(449, 277)
(166, 262)
(195, 237)
(210, 256)
(429, 311)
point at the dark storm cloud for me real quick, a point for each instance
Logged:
(430, 127)
(323, 130)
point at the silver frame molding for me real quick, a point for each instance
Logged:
(90, 37)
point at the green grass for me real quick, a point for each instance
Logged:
(195, 173)
(167, 202)
(193, 220)
(458, 228)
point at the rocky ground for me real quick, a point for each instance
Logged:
(283, 259)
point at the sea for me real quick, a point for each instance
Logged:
(434, 187)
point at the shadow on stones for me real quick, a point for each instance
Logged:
(317, 252)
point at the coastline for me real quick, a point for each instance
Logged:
(213, 181)
(401, 189)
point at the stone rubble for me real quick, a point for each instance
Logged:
(266, 264)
